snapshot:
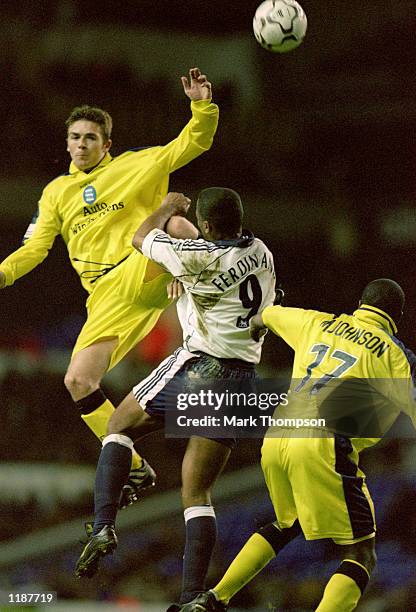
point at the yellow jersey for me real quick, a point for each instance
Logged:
(349, 369)
(97, 212)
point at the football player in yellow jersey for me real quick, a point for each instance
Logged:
(313, 477)
(96, 207)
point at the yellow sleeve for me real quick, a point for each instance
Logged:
(40, 237)
(195, 138)
(402, 383)
(285, 322)
(407, 399)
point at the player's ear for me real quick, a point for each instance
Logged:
(107, 145)
(205, 227)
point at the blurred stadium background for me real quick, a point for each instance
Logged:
(321, 145)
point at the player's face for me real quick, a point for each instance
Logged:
(86, 144)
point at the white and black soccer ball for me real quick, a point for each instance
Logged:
(279, 25)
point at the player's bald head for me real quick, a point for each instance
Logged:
(222, 208)
(385, 294)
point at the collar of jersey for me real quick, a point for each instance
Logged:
(371, 314)
(105, 160)
(244, 240)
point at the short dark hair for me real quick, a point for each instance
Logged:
(385, 294)
(92, 113)
(222, 208)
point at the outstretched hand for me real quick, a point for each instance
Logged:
(197, 87)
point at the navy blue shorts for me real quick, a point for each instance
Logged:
(187, 373)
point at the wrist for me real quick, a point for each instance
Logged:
(168, 210)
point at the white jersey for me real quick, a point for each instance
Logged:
(226, 282)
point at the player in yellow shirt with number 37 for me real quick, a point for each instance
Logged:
(96, 207)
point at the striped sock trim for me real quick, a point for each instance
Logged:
(119, 439)
(195, 511)
(356, 571)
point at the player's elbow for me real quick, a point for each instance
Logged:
(182, 228)
(137, 241)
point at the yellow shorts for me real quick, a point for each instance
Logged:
(317, 480)
(122, 305)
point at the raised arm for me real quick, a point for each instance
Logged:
(198, 134)
(173, 204)
(197, 87)
(181, 228)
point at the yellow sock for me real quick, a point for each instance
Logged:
(97, 421)
(343, 591)
(255, 554)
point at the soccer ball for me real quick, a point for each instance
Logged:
(279, 25)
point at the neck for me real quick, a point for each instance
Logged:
(87, 170)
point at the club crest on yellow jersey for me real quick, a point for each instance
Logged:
(89, 194)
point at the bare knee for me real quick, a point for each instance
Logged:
(192, 495)
(130, 419)
(80, 385)
(87, 368)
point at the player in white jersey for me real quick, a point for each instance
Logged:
(227, 276)
(226, 281)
